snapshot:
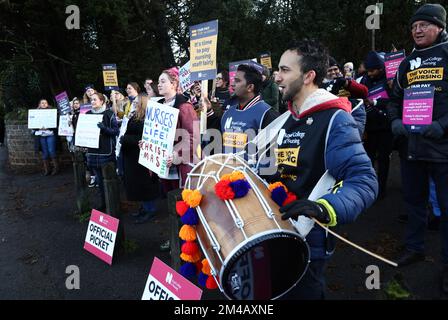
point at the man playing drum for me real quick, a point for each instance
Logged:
(319, 135)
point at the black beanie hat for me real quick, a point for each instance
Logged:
(374, 61)
(332, 62)
(434, 13)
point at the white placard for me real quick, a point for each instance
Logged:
(158, 137)
(65, 128)
(42, 118)
(185, 77)
(87, 131)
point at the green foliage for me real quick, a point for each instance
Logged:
(17, 114)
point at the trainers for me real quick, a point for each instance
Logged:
(165, 246)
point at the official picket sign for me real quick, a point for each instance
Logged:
(203, 44)
(87, 131)
(63, 102)
(378, 92)
(42, 118)
(185, 77)
(101, 235)
(166, 284)
(65, 128)
(158, 137)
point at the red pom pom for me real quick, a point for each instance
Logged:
(181, 207)
(211, 283)
(198, 267)
(223, 190)
(190, 247)
(290, 198)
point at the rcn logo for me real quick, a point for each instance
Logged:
(415, 63)
(169, 277)
(228, 123)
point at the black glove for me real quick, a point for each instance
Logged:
(340, 82)
(307, 208)
(398, 128)
(101, 125)
(433, 131)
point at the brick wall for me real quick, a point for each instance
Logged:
(20, 144)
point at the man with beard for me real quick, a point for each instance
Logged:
(322, 135)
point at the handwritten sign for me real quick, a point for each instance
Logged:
(158, 137)
(417, 107)
(63, 103)
(203, 43)
(166, 284)
(101, 235)
(42, 118)
(65, 128)
(392, 61)
(87, 131)
(110, 77)
(185, 77)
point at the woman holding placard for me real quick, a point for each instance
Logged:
(46, 138)
(97, 157)
(183, 153)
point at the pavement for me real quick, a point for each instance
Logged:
(40, 236)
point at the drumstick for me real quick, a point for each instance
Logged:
(355, 245)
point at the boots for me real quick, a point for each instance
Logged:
(46, 167)
(55, 166)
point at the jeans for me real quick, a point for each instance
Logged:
(415, 176)
(48, 145)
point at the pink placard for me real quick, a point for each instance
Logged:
(101, 235)
(174, 282)
(417, 112)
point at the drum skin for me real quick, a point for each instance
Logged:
(218, 216)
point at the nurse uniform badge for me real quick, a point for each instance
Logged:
(309, 121)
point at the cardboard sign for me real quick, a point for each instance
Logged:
(203, 43)
(101, 235)
(378, 93)
(42, 118)
(392, 61)
(63, 103)
(87, 131)
(417, 107)
(185, 77)
(158, 137)
(265, 60)
(110, 77)
(166, 284)
(65, 127)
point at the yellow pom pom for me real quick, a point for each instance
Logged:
(192, 198)
(206, 267)
(186, 193)
(193, 259)
(226, 176)
(187, 233)
(236, 175)
(274, 185)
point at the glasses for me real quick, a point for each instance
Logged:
(423, 26)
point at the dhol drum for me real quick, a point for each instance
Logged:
(253, 254)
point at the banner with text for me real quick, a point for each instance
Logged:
(158, 137)
(63, 103)
(87, 131)
(166, 284)
(203, 43)
(101, 235)
(392, 61)
(110, 77)
(42, 118)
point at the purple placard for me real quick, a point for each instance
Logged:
(63, 103)
(85, 107)
(392, 61)
(378, 93)
(417, 107)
